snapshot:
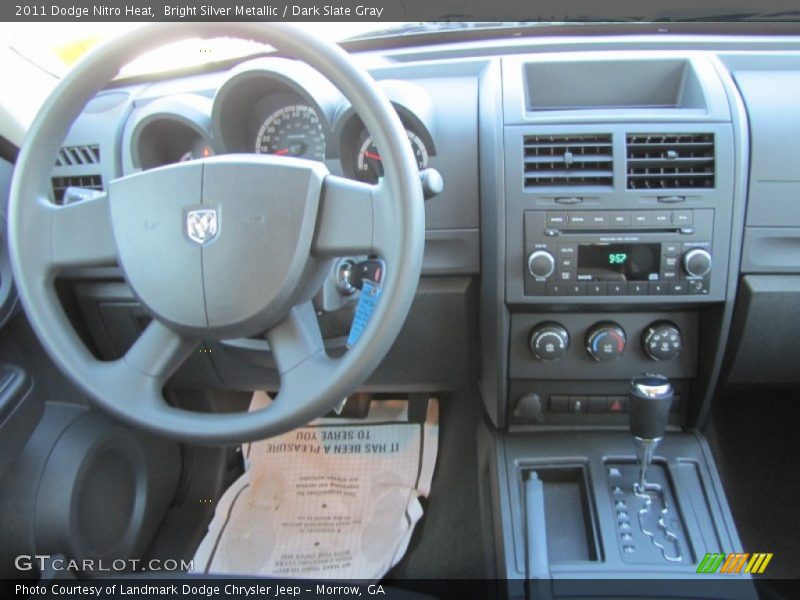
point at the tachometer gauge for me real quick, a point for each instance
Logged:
(199, 149)
(369, 165)
(294, 130)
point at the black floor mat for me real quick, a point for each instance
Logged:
(755, 439)
(447, 541)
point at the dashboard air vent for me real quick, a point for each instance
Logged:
(60, 185)
(71, 156)
(670, 160)
(568, 160)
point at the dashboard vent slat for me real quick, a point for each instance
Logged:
(71, 156)
(568, 160)
(670, 160)
(60, 185)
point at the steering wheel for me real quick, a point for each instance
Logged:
(223, 247)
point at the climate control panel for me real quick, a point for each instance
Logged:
(598, 346)
(605, 341)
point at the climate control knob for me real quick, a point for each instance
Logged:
(541, 264)
(662, 340)
(606, 341)
(697, 262)
(548, 341)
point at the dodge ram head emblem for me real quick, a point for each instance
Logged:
(202, 225)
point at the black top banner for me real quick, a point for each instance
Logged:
(399, 10)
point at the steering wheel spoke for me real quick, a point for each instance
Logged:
(160, 351)
(297, 340)
(80, 234)
(354, 218)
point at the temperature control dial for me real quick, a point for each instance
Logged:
(548, 341)
(662, 340)
(606, 341)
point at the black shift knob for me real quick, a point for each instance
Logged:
(649, 401)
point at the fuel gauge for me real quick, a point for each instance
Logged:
(369, 164)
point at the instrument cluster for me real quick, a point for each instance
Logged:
(278, 107)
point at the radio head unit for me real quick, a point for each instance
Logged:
(627, 253)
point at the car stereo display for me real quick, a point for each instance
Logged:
(618, 262)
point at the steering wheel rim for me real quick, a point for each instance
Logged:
(45, 240)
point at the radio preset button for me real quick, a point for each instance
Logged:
(597, 288)
(556, 219)
(637, 288)
(641, 218)
(657, 288)
(598, 219)
(576, 288)
(555, 289)
(617, 288)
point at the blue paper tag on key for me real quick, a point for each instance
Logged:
(370, 294)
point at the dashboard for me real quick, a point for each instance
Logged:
(611, 206)
(281, 108)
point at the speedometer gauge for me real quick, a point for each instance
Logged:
(369, 165)
(294, 130)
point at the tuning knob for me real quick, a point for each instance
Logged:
(548, 341)
(541, 264)
(606, 341)
(697, 262)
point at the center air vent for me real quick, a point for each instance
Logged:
(568, 160)
(670, 160)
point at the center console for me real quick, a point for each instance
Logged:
(618, 202)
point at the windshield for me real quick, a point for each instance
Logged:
(55, 47)
(36, 55)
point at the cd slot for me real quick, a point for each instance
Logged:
(624, 231)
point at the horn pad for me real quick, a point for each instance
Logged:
(219, 245)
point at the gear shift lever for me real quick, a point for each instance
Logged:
(649, 402)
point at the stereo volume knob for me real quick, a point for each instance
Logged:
(548, 341)
(662, 340)
(541, 264)
(605, 341)
(697, 262)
